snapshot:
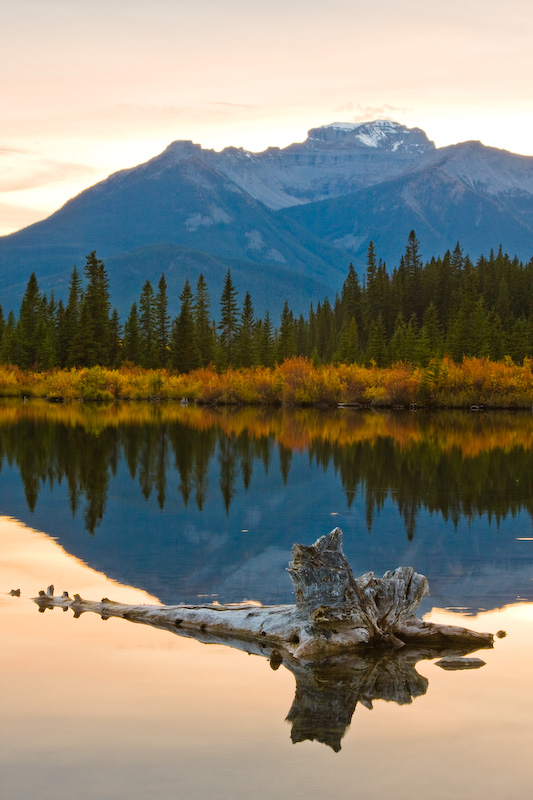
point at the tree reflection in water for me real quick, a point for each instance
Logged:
(455, 463)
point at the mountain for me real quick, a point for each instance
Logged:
(287, 222)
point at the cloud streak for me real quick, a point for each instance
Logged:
(368, 113)
(23, 174)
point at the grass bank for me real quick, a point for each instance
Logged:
(442, 384)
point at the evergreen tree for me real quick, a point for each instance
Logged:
(228, 325)
(162, 324)
(266, 342)
(502, 305)
(132, 348)
(348, 343)
(147, 327)
(205, 336)
(184, 353)
(326, 331)
(371, 294)
(116, 344)
(96, 328)
(351, 296)
(430, 342)
(70, 337)
(302, 336)
(245, 356)
(376, 351)
(286, 344)
(45, 353)
(518, 342)
(411, 339)
(28, 324)
(9, 346)
(496, 338)
(413, 273)
(398, 343)
(478, 344)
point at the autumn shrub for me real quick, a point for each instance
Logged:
(94, 386)
(355, 380)
(297, 381)
(400, 385)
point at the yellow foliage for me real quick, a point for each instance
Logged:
(297, 381)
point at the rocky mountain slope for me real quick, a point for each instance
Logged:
(286, 221)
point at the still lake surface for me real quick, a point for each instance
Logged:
(148, 503)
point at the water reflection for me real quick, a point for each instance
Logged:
(186, 501)
(458, 464)
(328, 690)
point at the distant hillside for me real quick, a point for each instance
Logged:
(286, 221)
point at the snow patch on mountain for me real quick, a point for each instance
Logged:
(254, 240)
(380, 134)
(275, 255)
(197, 220)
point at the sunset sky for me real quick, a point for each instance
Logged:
(90, 88)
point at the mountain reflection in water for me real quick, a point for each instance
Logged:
(184, 501)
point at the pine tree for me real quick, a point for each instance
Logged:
(478, 344)
(228, 325)
(184, 353)
(286, 344)
(45, 352)
(348, 343)
(502, 305)
(205, 337)
(398, 342)
(147, 327)
(376, 351)
(413, 272)
(371, 295)
(350, 295)
(96, 328)
(28, 322)
(132, 348)
(69, 334)
(496, 344)
(9, 347)
(116, 343)
(302, 336)
(266, 342)
(245, 355)
(518, 341)
(326, 331)
(430, 342)
(162, 323)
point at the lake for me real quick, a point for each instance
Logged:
(148, 503)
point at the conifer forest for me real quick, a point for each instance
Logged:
(419, 312)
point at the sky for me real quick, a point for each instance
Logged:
(89, 87)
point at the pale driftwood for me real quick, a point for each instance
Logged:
(334, 611)
(459, 662)
(346, 640)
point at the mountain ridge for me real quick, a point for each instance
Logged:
(287, 220)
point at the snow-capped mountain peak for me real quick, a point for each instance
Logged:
(382, 134)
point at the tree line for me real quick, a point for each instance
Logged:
(418, 312)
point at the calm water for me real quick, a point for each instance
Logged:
(171, 503)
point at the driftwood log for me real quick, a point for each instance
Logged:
(333, 612)
(346, 640)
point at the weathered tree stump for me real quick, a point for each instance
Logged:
(334, 612)
(346, 640)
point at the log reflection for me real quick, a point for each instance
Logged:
(328, 690)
